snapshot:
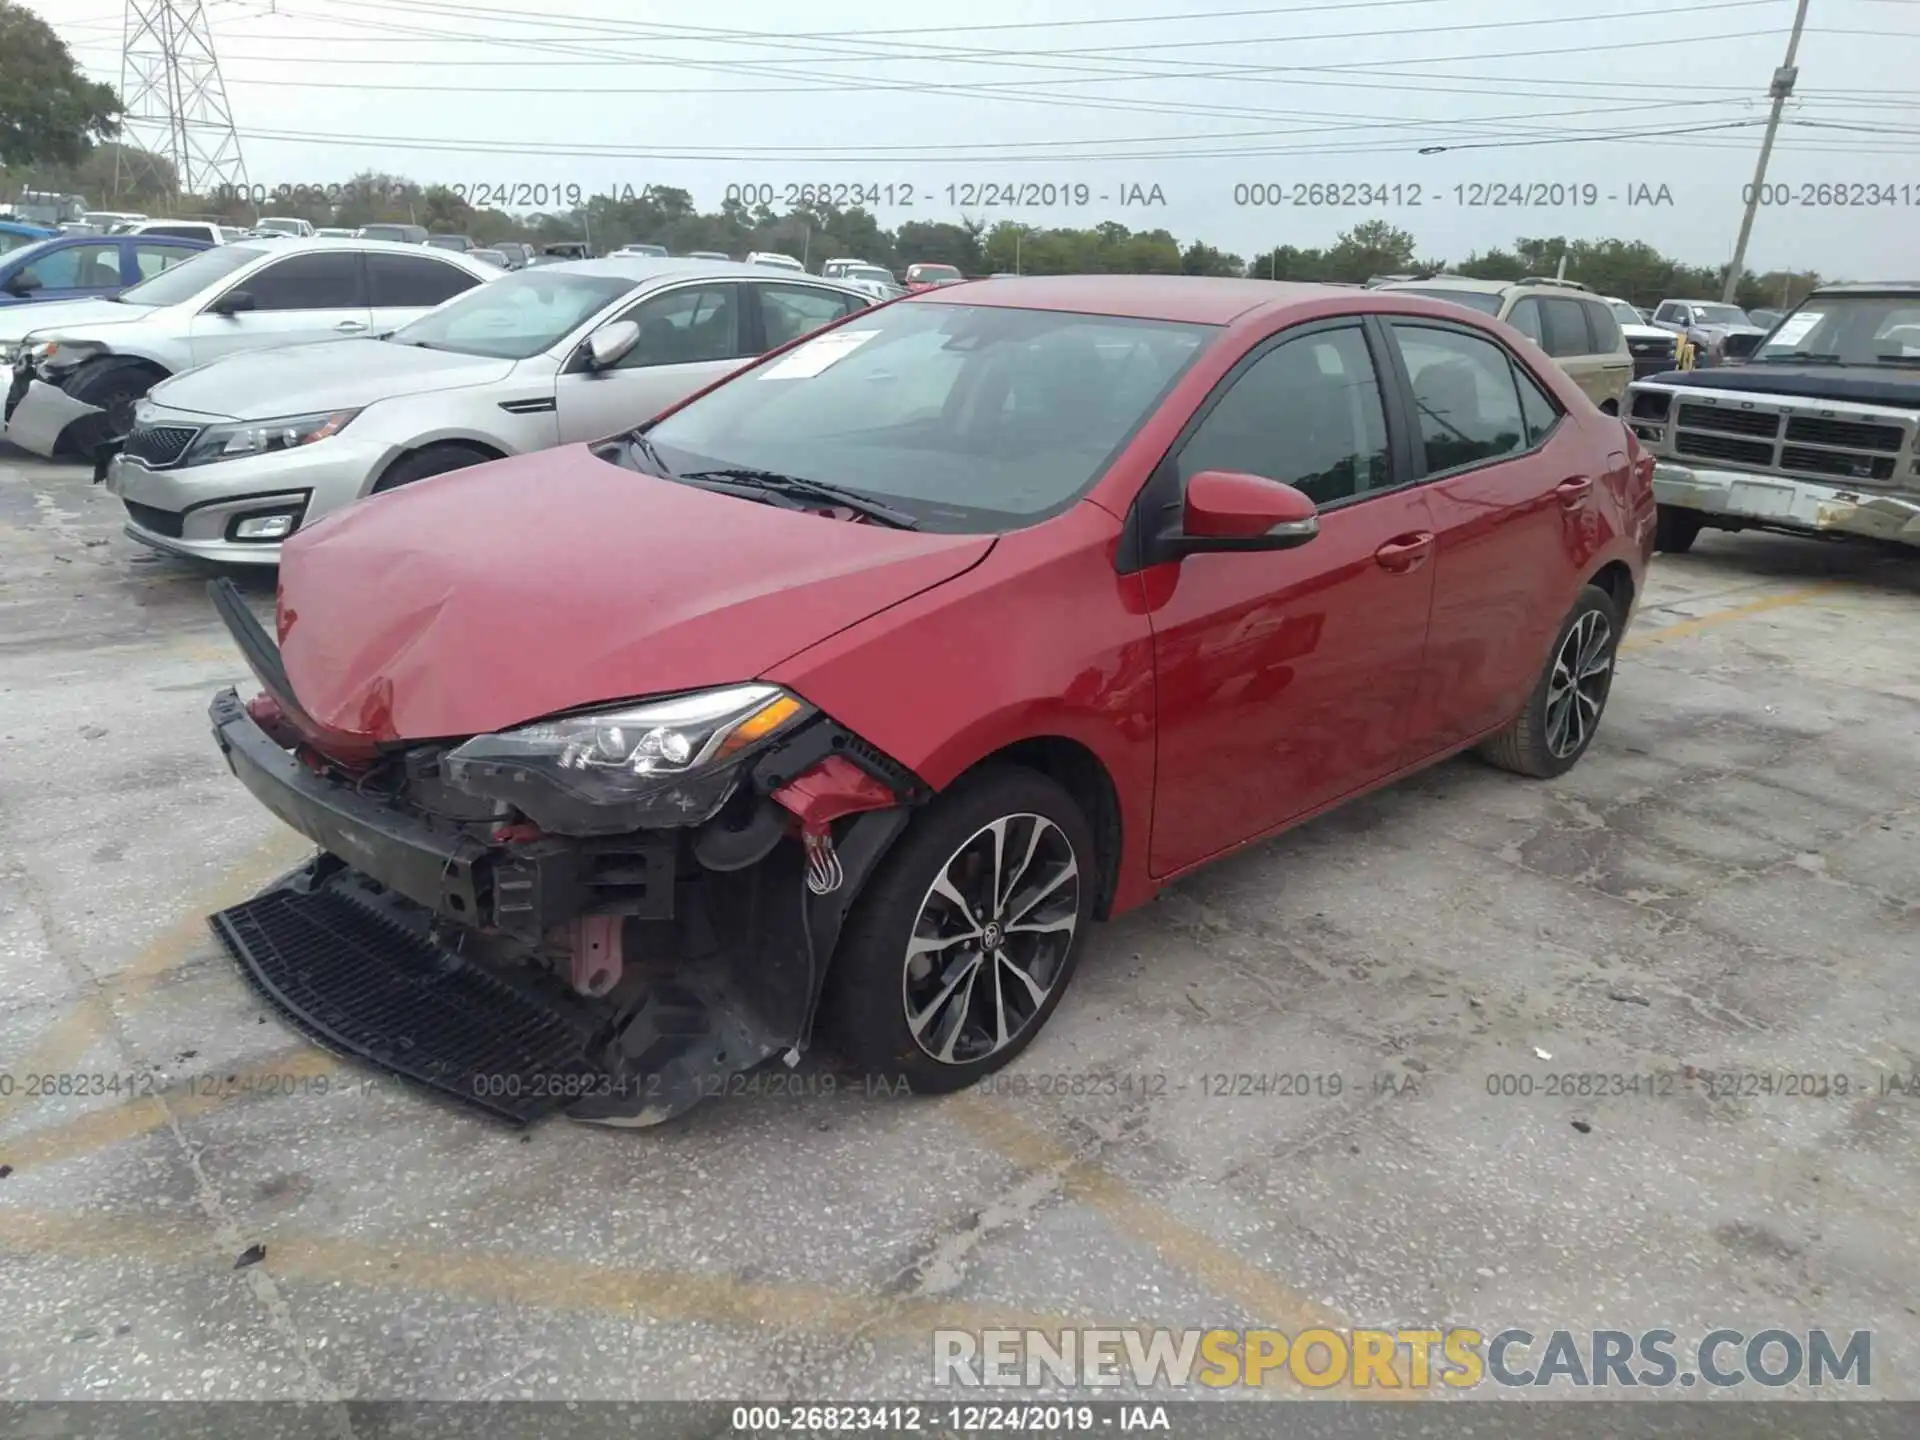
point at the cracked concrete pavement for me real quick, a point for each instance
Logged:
(1728, 882)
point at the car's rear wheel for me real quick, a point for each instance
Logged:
(1550, 735)
(966, 938)
(434, 460)
(115, 386)
(1675, 528)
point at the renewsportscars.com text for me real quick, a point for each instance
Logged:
(1370, 1359)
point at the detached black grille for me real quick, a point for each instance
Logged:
(1730, 422)
(1833, 462)
(158, 445)
(169, 523)
(1724, 447)
(1847, 434)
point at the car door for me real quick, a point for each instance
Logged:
(1286, 679)
(76, 272)
(401, 288)
(1608, 359)
(690, 334)
(784, 310)
(1502, 477)
(302, 298)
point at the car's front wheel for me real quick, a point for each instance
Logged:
(115, 386)
(1549, 736)
(966, 938)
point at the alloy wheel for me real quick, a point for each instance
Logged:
(1577, 689)
(991, 938)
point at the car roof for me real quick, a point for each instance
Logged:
(1197, 299)
(1868, 287)
(668, 267)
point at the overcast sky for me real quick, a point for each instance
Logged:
(1112, 96)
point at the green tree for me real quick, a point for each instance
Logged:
(50, 113)
(1200, 258)
(1371, 248)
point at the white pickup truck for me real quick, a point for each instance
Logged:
(1817, 434)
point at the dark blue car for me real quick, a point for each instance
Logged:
(80, 267)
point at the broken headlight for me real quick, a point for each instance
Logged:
(657, 763)
(263, 437)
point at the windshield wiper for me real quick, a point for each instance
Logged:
(637, 440)
(794, 487)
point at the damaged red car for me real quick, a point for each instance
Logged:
(843, 698)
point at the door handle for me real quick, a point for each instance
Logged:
(1574, 490)
(349, 326)
(1404, 552)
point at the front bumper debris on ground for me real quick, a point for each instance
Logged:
(39, 413)
(450, 953)
(1781, 502)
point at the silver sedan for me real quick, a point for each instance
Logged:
(226, 461)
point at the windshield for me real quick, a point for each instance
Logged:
(935, 272)
(1625, 313)
(1480, 300)
(20, 244)
(968, 418)
(1720, 315)
(1849, 330)
(281, 227)
(516, 316)
(190, 277)
(866, 272)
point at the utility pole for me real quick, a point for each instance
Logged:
(177, 115)
(1781, 90)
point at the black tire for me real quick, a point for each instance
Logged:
(434, 460)
(872, 980)
(1676, 528)
(1536, 743)
(116, 386)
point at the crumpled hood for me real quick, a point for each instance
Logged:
(493, 596)
(19, 321)
(313, 378)
(1866, 384)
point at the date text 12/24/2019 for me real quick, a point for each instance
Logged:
(1471, 195)
(957, 195)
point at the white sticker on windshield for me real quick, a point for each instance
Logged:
(816, 355)
(1795, 328)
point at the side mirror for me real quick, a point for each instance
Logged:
(232, 303)
(609, 345)
(25, 283)
(1227, 511)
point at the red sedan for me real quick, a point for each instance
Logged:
(851, 691)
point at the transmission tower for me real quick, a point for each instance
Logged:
(176, 103)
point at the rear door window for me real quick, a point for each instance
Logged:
(1565, 324)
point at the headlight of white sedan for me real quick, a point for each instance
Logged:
(264, 437)
(657, 763)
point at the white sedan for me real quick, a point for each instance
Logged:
(224, 463)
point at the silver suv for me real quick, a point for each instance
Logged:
(79, 366)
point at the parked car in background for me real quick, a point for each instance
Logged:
(519, 254)
(1654, 350)
(460, 243)
(184, 230)
(1562, 317)
(837, 268)
(397, 234)
(875, 280)
(1818, 433)
(14, 235)
(78, 370)
(925, 276)
(572, 351)
(488, 256)
(85, 267)
(334, 232)
(285, 225)
(874, 698)
(1765, 319)
(1712, 332)
(641, 249)
(107, 222)
(774, 258)
(567, 250)
(708, 255)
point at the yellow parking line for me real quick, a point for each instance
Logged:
(69, 1038)
(1680, 629)
(548, 1283)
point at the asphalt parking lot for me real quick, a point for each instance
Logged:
(1728, 882)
